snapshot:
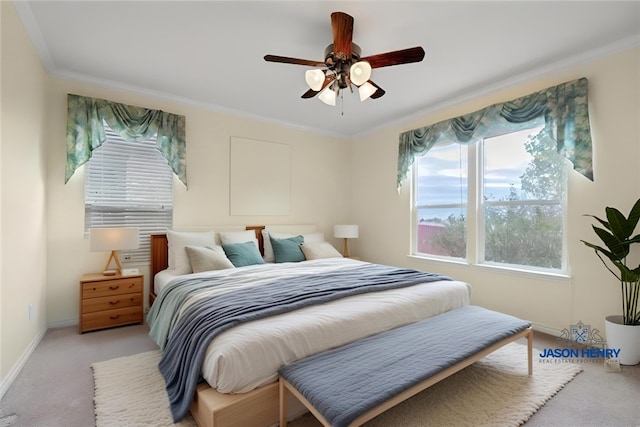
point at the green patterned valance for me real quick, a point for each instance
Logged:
(85, 131)
(563, 107)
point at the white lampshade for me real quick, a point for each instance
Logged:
(328, 95)
(113, 239)
(366, 90)
(315, 79)
(360, 72)
(345, 231)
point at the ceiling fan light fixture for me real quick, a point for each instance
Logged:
(366, 90)
(315, 79)
(360, 73)
(328, 95)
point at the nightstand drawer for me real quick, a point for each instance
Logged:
(111, 302)
(105, 319)
(111, 287)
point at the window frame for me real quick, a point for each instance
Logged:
(475, 217)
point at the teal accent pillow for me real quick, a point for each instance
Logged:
(288, 250)
(242, 254)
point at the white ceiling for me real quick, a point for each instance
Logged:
(210, 53)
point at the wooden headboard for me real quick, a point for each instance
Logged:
(160, 254)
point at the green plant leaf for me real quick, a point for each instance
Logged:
(626, 274)
(634, 216)
(617, 248)
(604, 223)
(603, 251)
(618, 223)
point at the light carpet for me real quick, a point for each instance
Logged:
(495, 391)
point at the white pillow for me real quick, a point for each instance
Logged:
(318, 250)
(227, 237)
(268, 249)
(207, 259)
(178, 258)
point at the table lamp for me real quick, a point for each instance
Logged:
(114, 240)
(345, 232)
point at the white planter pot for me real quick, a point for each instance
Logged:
(624, 337)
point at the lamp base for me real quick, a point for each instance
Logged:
(109, 272)
(345, 248)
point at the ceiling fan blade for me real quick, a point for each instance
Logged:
(342, 25)
(378, 93)
(404, 56)
(296, 61)
(311, 93)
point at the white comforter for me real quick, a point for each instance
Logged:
(249, 355)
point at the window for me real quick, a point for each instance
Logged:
(129, 184)
(500, 201)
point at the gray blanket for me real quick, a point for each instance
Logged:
(185, 349)
(349, 381)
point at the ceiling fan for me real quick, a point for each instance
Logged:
(343, 65)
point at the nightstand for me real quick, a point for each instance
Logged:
(108, 301)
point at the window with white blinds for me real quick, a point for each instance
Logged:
(129, 184)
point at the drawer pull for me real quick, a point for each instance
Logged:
(114, 317)
(113, 288)
(114, 302)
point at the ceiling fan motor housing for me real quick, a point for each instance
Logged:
(339, 63)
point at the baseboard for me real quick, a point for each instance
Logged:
(63, 324)
(17, 367)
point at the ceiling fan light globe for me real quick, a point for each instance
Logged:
(366, 90)
(328, 96)
(360, 72)
(315, 79)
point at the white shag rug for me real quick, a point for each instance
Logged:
(129, 391)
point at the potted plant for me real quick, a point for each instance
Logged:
(622, 332)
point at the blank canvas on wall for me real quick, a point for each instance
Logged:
(260, 177)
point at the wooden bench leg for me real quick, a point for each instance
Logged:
(530, 350)
(283, 403)
(287, 387)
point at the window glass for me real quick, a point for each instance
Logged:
(441, 201)
(523, 200)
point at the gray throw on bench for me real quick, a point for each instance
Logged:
(346, 382)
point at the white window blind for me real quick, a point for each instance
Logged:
(129, 184)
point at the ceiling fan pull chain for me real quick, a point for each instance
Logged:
(342, 103)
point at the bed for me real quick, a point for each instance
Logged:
(240, 388)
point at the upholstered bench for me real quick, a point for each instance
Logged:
(350, 385)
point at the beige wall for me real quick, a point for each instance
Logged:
(22, 195)
(590, 293)
(319, 194)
